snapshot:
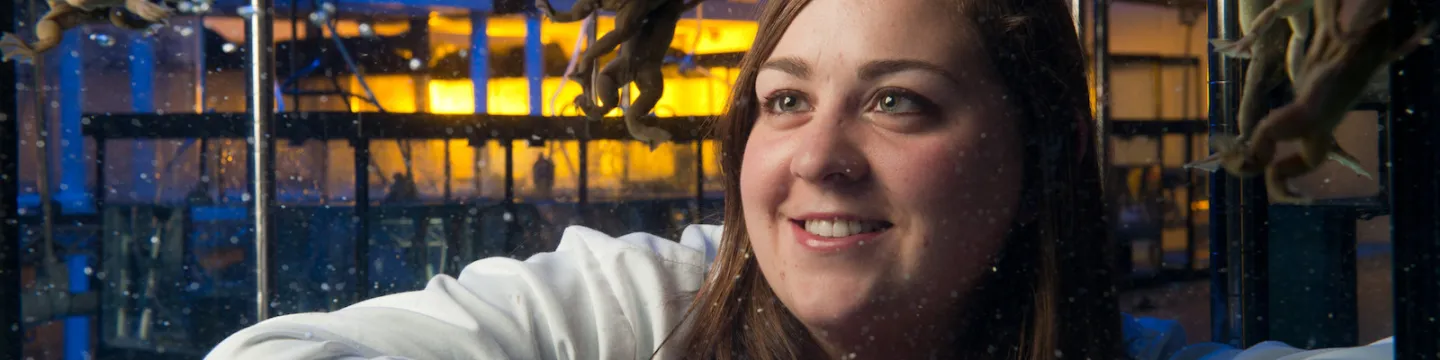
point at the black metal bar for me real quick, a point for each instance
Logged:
(362, 212)
(261, 80)
(1100, 11)
(1239, 231)
(293, 56)
(1415, 199)
(1152, 59)
(1221, 22)
(341, 125)
(699, 181)
(512, 221)
(99, 194)
(583, 183)
(11, 336)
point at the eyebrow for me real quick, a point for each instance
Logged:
(789, 65)
(879, 68)
(868, 72)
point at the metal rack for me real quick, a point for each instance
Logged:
(1258, 249)
(1102, 61)
(1414, 200)
(1158, 128)
(300, 125)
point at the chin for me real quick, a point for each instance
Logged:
(830, 302)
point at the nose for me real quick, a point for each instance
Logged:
(828, 155)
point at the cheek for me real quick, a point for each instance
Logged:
(762, 185)
(962, 177)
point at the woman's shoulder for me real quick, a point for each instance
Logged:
(613, 297)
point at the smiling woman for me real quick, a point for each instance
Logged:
(903, 191)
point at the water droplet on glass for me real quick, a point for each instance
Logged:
(415, 64)
(103, 39)
(245, 12)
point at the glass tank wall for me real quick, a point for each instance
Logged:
(412, 137)
(147, 151)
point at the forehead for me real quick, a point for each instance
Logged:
(850, 32)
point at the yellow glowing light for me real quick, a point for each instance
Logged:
(715, 36)
(613, 164)
(510, 96)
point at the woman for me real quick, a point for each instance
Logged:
(904, 179)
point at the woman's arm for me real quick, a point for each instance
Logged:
(593, 297)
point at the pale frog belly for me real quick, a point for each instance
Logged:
(90, 5)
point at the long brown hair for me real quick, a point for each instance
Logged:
(1056, 262)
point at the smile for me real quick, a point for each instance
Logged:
(837, 228)
(836, 233)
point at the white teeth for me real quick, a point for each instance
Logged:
(840, 228)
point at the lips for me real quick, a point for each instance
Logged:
(835, 232)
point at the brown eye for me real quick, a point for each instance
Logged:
(898, 103)
(786, 103)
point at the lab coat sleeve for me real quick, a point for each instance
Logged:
(594, 297)
(1275, 350)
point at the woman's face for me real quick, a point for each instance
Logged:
(883, 171)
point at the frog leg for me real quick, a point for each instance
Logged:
(148, 10)
(1343, 157)
(1277, 176)
(119, 18)
(48, 33)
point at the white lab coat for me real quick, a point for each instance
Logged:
(594, 297)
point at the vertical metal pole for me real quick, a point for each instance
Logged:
(419, 33)
(142, 101)
(1219, 24)
(591, 25)
(1100, 55)
(361, 144)
(77, 327)
(699, 179)
(200, 70)
(69, 140)
(479, 81)
(1239, 211)
(1414, 197)
(480, 84)
(535, 62)
(262, 115)
(11, 336)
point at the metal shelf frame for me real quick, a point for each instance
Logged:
(1414, 198)
(11, 336)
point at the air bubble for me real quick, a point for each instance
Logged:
(103, 39)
